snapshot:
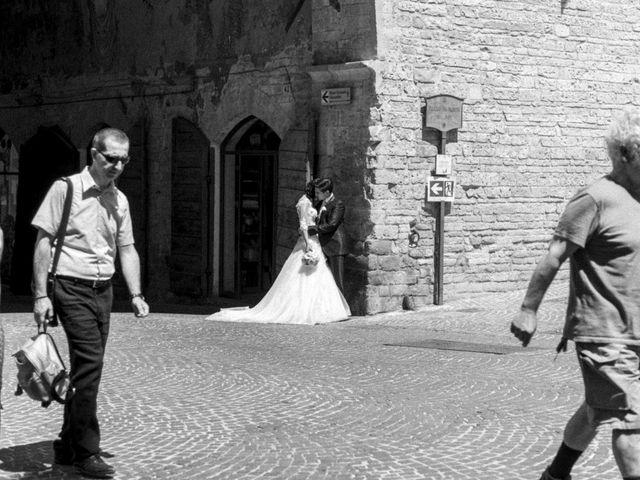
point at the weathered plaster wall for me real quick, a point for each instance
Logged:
(344, 39)
(540, 82)
(212, 62)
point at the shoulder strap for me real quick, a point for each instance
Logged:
(62, 229)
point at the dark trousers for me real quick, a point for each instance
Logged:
(336, 264)
(84, 313)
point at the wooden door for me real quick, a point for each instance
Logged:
(191, 236)
(133, 183)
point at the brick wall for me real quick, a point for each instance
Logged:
(539, 82)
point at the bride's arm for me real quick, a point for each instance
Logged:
(303, 229)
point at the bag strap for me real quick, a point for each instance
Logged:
(64, 221)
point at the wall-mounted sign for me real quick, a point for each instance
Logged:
(443, 164)
(440, 189)
(443, 112)
(335, 96)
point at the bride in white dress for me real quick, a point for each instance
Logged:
(304, 292)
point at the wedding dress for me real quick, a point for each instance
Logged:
(303, 293)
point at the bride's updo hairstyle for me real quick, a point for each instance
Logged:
(310, 190)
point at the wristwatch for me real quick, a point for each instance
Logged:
(134, 295)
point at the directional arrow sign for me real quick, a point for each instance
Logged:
(440, 190)
(335, 96)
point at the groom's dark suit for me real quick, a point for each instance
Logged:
(332, 237)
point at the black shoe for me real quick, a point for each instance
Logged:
(547, 476)
(94, 467)
(61, 454)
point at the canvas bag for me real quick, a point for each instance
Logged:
(42, 374)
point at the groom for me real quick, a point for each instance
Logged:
(330, 229)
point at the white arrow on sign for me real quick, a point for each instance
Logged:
(436, 188)
(441, 190)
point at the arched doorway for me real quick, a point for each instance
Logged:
(190, 266)
(46, 156)
(249, 184)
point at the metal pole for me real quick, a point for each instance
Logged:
(439, 242)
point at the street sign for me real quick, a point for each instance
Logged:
(335, 96)
(443, 112)
(440, 189)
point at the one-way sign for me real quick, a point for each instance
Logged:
(440, 190)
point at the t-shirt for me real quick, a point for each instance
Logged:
(603, 219)
(99, 222)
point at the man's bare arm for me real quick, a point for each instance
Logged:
(525, 324)
(130, 261)
(42, 308)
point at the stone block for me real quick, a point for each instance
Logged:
(380, 247)
(390, 263)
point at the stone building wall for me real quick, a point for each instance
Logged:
(540, 81)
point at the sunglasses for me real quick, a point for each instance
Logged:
(113, 159)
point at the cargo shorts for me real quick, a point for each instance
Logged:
(611, 375)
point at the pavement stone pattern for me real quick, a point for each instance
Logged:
(187, 398)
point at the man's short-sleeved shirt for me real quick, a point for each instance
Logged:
(603, 219)
(99, 223)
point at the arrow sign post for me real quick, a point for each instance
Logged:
(444, 113)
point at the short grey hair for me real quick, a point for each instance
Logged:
(104, 133)
(624, 133)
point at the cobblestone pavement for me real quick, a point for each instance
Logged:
(185, 398)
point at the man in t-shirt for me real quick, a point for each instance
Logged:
(599, 232)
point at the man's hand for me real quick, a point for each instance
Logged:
(524, 325)
(42, 310)
(140, 307)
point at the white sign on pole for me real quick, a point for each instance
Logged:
(443, 164)
(440, 189)
(335, 96)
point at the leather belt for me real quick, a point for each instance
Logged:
(85, 282)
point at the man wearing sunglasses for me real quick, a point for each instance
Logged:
(99, 226)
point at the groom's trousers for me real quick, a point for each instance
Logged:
(336, 264)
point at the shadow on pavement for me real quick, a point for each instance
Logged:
(35, 461)
(31, 461)
(12, 303)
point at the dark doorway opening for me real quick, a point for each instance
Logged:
(46, 156)
(250, 159)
